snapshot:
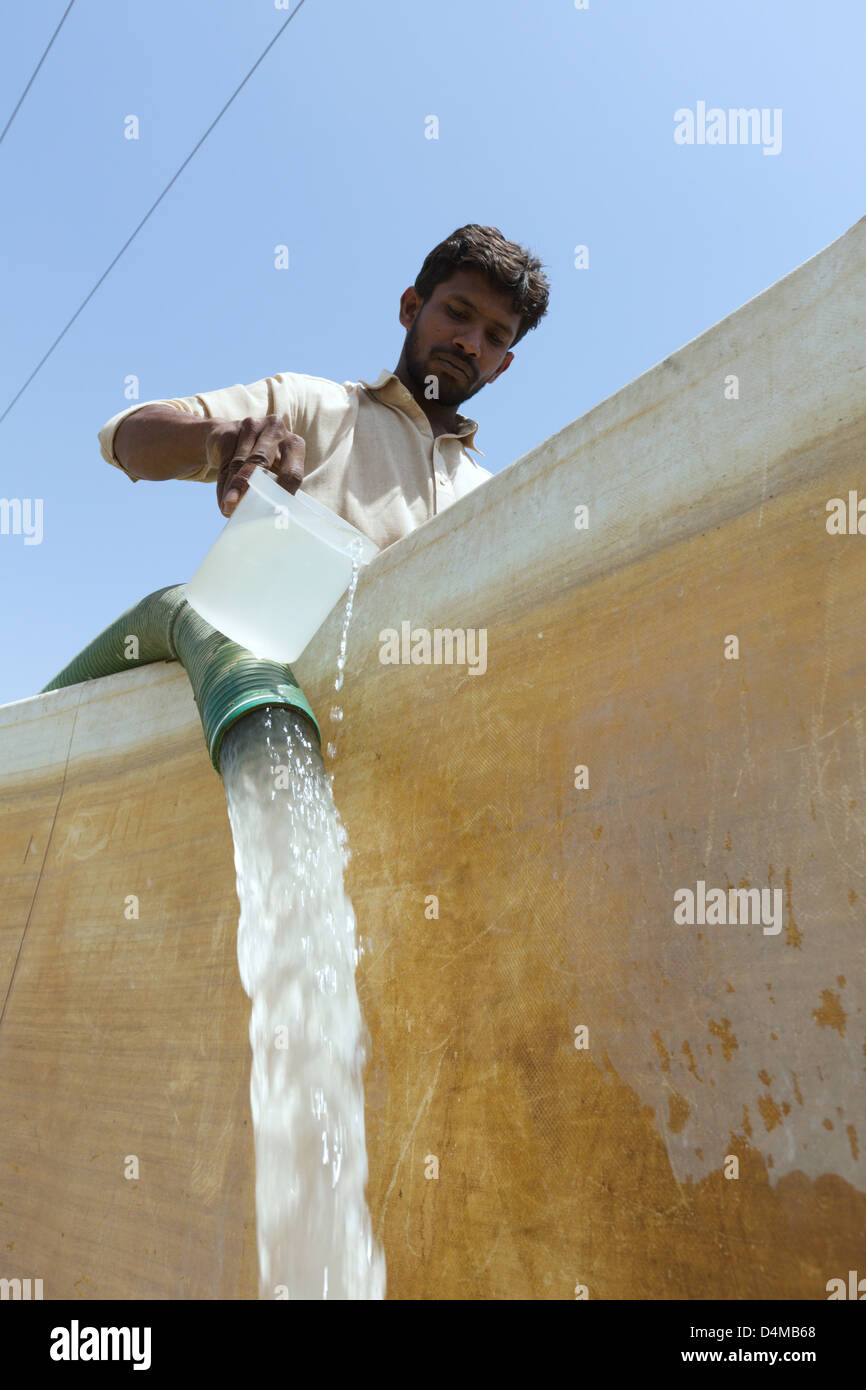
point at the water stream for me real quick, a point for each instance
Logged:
(297, 955)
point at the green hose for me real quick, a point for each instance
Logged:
(227, 680)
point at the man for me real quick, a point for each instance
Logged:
(386, 455)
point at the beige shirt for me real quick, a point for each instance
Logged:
(370, 451)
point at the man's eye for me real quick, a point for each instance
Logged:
(455, 315)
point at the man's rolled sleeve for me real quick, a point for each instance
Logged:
(227, 403)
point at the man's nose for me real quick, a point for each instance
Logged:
(469, 343)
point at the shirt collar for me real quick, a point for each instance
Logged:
(390, 389)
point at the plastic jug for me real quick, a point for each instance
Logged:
(276, 570)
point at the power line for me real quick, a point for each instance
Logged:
(35, 70)
(62, 334)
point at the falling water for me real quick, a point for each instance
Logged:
(336, 710)
(297, 956)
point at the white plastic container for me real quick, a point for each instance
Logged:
(276, 570)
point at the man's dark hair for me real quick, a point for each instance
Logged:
(508, 267)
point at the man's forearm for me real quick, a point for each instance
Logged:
(160, 442)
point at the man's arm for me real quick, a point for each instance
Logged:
(158, 442)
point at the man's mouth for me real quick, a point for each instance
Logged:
(456, 367)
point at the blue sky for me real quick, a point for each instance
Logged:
(555, 125)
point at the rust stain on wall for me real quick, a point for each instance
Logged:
(678, 1113)
(793, 935)
(664, 1055)
(770, 1112)
(722, 1031)
(831, 1014)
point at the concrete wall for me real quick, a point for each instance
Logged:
(602, 1166)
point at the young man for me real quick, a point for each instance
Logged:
(386, 455)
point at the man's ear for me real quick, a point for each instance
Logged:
(410, 305)
(506, 363)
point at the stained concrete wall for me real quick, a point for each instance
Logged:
(602, 1166)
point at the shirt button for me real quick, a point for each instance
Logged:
(442, 480)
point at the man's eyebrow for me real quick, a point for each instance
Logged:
(503, 328)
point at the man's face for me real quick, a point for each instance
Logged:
(460, 335)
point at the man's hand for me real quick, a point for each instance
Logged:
(236, 447)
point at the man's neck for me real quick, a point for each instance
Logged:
(443, 419)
